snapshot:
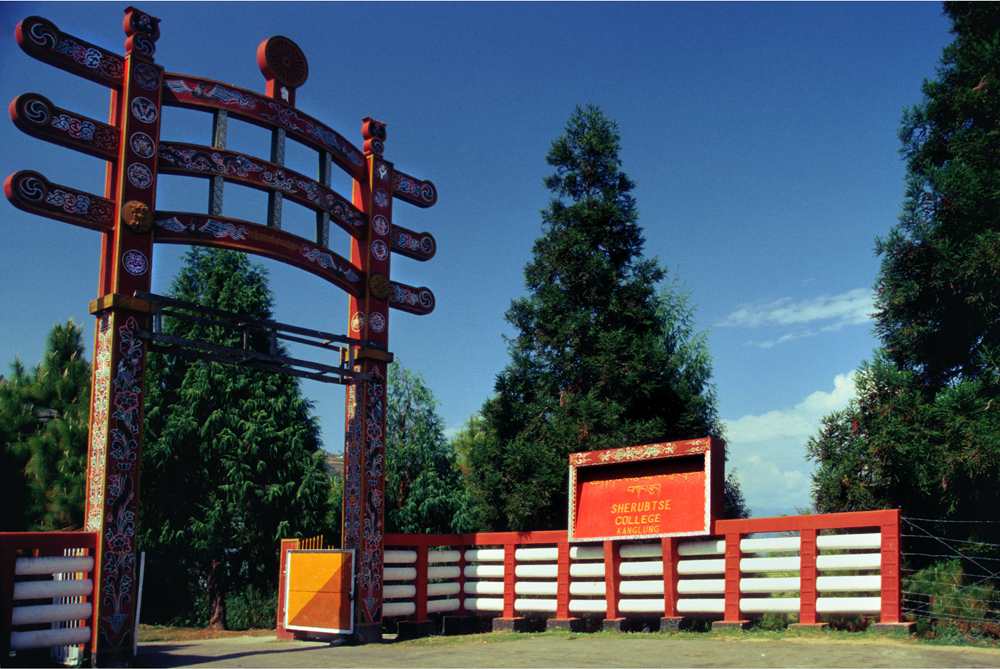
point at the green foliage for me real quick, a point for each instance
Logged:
(938, 291)
(44, 417)
(923, 432)
(598, 360)
(951, 605)
(232, 460)
(424, 492)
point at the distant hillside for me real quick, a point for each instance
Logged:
(335, 464)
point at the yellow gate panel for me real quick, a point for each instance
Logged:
(319, 588)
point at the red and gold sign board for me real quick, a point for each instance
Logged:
(659, 490)
(318, 587)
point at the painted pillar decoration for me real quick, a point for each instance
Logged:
(120, 361)
(364, 452)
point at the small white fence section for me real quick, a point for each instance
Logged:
(47, 598)
(808, 572)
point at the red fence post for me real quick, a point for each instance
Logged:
(807, 578)
(420, 599)
(612, 583)
(890, 594)
(671, 556)
(734, 555)
(563, 579)
(286, 545)
(510, 620)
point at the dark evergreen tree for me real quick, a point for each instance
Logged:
(44, 417)
(232, 459)
(923, 433)
(424, 491)
(598, 359)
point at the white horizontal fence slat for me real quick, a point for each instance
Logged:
(536, 588)
(400, 574)
(716, 605)
(483, 571)
(443, 605)
(640, 587)
(588, 606)
(399, 591)
(484, 603)
(39, 566)
(702, 586)
(865, 605)
(768, 585)
(641, 605)
(443, 572)
(483, 587)
(536, 571)
(65, 636)
(400, 557)
(50, 613)
(82, 587)
(536, 554)
(443, 589)
(849, 583)
(449, 556)
(871, 541)
(397, 609)
(769, 605)
(849, 561)
(535, 605)
(587, 588)
(484, 555)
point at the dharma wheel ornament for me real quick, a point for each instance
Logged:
(285, 67)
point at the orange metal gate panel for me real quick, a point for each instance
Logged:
(319, 588)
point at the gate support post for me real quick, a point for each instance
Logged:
(117, 391)
(364, 451)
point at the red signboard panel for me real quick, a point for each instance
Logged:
(658, 490)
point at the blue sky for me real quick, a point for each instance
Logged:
(762, 137)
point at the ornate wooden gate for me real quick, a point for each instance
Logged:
(127, 217)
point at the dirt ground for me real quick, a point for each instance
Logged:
(570, 650)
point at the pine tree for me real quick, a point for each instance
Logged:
(424, 492)
(232, 459)
(44, 416)
(923, 433)
(598, 359)
(938, 291)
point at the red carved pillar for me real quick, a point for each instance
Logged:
(115, 448)
(364, 453)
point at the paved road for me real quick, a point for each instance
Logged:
(561, 652)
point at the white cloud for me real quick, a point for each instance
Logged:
(768, 449)
(800, 421)
(851, 308)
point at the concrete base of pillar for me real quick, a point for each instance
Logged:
(615, 625)
(368, 634)
(672, 624)
(458, 625)
(730, 624)
(893, 627)
(414, 630)
(571, 624)
(510, 624)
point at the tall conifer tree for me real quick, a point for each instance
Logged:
(923, 433)
(232, 460)
(594, 362)
(44, 414)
